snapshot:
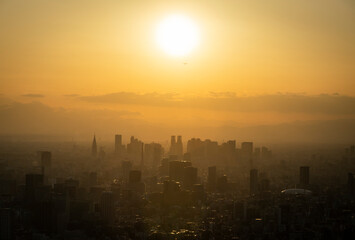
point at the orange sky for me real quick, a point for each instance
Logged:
(248, 48)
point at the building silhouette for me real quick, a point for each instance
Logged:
(119, 147)
(212, 179)
(135, 150)
(253, 181)
(107, 207)
(176, 147)
(304, 176)
(94, 147)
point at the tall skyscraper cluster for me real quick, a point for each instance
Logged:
(176, 147)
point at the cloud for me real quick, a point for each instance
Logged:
(37, 118)
(227, 101)
(33, 95)
(71, 95)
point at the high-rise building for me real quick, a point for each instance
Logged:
(7, 227)
(176, 147)
(304, 176)
(247, 149)
(126, 168)
(107, 207)
(172, 145)
(190, 177)
(135, 176)
(253, 181)
(92, 179)
(222, 184)
(179, 147)
(135, 150)
(119, 148)
(266, 154)
(94, 147)
(203, 153)
(46, 164)
(351, 184)
(176, 170)
(153, 154)
(33, 182)
(135, 183)
(212, 179)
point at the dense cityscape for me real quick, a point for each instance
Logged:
(200, 189)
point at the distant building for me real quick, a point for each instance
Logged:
(46, 164)
(94, 147)
(212, 179)
(153, 154)
(176, 170)
(126, 168)
(204, 153)
(304, 176)
(135, 176)
(222, 184)
(351, 184)
(119, 147)
(176, 147)
(7, 226)
(135, 150)
(247, 152)
(135, 183)
(107, 207)
(190, 177)
(253, 181)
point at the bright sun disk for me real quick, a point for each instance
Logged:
(177, 35)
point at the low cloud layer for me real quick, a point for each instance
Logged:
(33, 95)
(282, 103)
(37, 118)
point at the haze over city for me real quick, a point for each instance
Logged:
(265, 65)
(157, 119)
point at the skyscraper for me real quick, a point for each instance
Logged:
(247, 153)
(179, 148)
(247, 149)
(46, 164)
(94, 147)
(304, 176)
(190, 177)
(118, 145)
(176, 147)
(107, 207)
(253, 181)
(135, 150)
(172, 145)
(212, 179)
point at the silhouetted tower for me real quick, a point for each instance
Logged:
(247, 152)
(107, 207)
(179, 149)
(172, 145)
(135, 176)
(142, 155)
(7, 224)
(351, 186)
(46, 162)
(118, 144)
(253, 181)
(94, 147)
(190, 177)
(212, 179)
(304, 176)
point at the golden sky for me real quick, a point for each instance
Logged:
(63, 53)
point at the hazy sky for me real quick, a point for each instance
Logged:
(74, 53)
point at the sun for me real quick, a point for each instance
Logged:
(177, 35)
